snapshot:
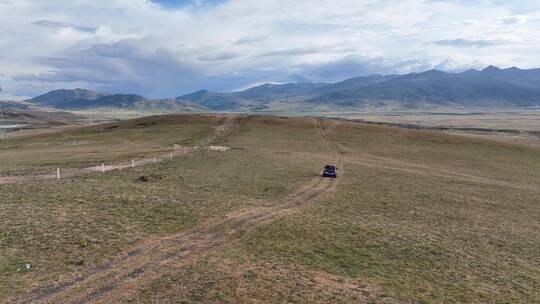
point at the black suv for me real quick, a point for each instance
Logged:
(330, 171)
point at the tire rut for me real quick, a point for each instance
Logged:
(149, 259)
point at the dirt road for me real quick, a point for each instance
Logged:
(151, 259)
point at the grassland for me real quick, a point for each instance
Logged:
(58, 226)
(527, 120)
(517, 127)
(416, 217)
(424, 217)
(90, 146)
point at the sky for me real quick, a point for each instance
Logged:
(167, 48)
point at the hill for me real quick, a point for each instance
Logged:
(85, 99)
(67, 98)
(253, 99)
(8, 104)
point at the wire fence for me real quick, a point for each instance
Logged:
(230, 123)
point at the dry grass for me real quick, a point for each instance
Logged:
(423, 216)
(523, 121)
(63, 226)
(89, 146)
(417, 217)
(521, 128)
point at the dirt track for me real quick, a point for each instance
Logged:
(129, 272)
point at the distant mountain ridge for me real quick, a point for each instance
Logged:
(66, 98)
(472, 89)
(85, 99)
(490, 87)
(253, 98)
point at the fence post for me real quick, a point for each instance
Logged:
(103, 167)
(155, 160)
(58, 173)
(170, 155)
(132, 163)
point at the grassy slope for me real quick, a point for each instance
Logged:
(59, 225)
(417, 216)
(418, 236)
(89, 146)
(399, 229)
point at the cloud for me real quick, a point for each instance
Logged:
(251, 40)
(357, 65)
(187, 3)
(219, 57)
(118, 67)
(291, 52)
(465, 43)
(59, 25)
(169, 47)
(516, 19)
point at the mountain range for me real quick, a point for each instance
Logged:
(473, 89)
(80, 99)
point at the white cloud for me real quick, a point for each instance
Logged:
(516, 19)
(139, 46)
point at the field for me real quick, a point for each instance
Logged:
(87, 146)
(414, 217)
(517, 127)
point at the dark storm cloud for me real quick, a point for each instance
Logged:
(352, 66)
(119, 67)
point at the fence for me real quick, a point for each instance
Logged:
(229, 123)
